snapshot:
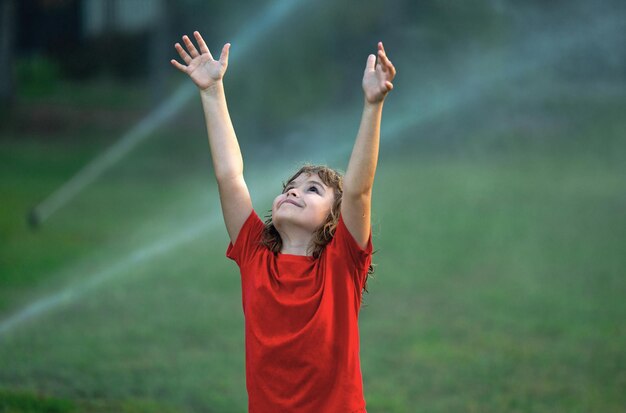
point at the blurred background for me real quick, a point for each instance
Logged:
(498, 215)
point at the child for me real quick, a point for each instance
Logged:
(303, 271)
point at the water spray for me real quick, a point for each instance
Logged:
(468, 91)
(244, 41)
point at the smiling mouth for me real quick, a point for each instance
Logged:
(290, 202)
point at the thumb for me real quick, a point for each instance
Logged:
(371, 62)
(224, 55)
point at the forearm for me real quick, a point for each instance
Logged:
(359, 178)
(225, 152)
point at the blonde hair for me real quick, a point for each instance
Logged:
(324, 234)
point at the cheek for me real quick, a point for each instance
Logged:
(324, 207)
(276, 201)
(330, 201)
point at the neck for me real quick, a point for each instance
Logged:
(295, 241)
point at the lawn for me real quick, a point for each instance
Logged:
(499, 282)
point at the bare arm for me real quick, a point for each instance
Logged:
(359, 178)
(227, 160)
(208, 74)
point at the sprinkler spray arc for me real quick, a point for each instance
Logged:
(251, 35)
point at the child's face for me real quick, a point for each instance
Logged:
(305, 203)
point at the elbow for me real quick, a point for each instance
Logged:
(359, 194)
(228, 171)
(358, 185)
(228, 175)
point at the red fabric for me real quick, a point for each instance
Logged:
(301, 331)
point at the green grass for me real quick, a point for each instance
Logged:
(499, 281)
(25, 402)
(21, 401)
(511, 288)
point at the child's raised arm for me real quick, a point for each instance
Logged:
(359, 178)
(208, 74)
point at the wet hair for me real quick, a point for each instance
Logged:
(324, 234)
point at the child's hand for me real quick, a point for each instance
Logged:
(201, 67)
(377, 78)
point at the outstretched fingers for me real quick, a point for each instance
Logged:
(182, 53)
(203, 47)
(389, 66)
(178, 66)
(384, 60)
(371, 62)
(193, 52)
(224, 54)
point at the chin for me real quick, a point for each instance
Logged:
(281, 220)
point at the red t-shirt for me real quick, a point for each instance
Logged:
(301, 331)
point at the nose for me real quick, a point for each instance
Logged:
(293, 192)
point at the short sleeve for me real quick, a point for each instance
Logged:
(248, 240)
(344, 242)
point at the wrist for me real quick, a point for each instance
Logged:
(213, 89)
(373, 105)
